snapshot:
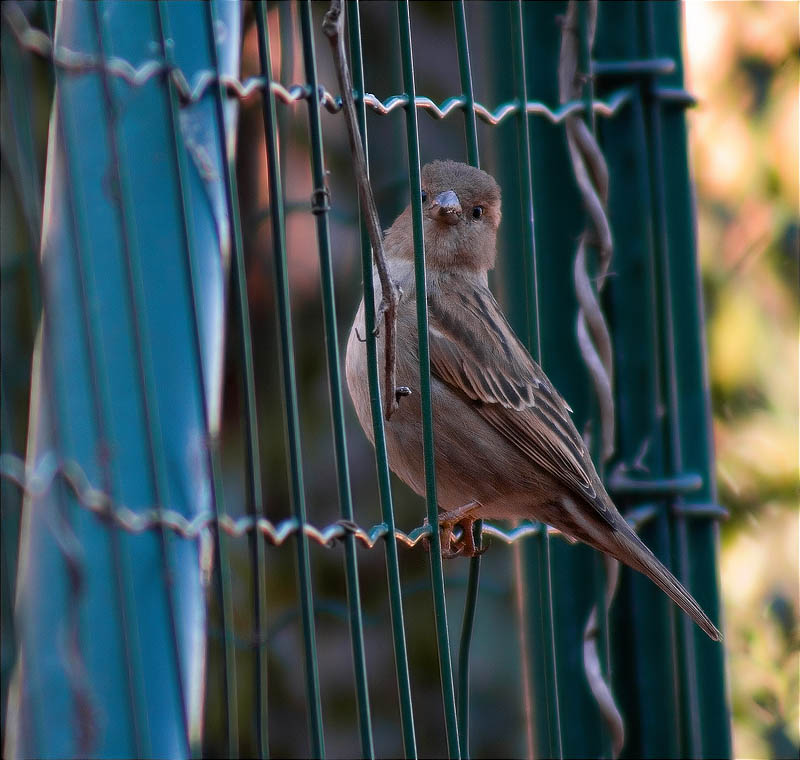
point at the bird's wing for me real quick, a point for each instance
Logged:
(474, 350)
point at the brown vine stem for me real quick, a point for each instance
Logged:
(333, 26)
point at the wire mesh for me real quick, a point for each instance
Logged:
(218, 203)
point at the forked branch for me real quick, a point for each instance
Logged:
(333, 26)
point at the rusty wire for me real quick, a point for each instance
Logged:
(37, 42)
(594, 339)
(38, 480)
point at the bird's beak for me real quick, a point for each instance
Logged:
(445, 207)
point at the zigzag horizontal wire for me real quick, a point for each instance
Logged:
(38, 481)
(37, 42)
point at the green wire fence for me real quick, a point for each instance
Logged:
(170, 423)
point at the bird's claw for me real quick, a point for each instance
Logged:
(447, 541)
(453, 553)
(478, 552)
(451, 547)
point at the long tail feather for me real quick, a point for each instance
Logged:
(635, 554)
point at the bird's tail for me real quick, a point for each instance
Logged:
(634, 553)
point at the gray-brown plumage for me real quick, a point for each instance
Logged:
(505, 444)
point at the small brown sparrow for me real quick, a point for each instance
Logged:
(505, 444)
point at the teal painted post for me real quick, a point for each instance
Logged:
(112, 654)
(222, 566)
(437, 579)
(381, 456)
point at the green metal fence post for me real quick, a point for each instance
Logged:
(674, 703)
(644, 655)
(705, 706)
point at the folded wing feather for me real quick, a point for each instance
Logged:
(474, 350)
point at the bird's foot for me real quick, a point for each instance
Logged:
(462, 546)
(450, 546)
(467, 539)
(464, 517)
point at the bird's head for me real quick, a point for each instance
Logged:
(461, 214)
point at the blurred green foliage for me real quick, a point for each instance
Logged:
(743, 61)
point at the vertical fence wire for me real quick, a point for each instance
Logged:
(288, 379)
(254, 494)
(130, 254)
(287, 13)
(255, 498)
(473, 579)
(381, 455)
(691, 705)
(437, 579)
(541, 547)
(254, 478)
(320, 208)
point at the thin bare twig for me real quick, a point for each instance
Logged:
(333, 26)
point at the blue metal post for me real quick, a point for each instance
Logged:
(111, 619)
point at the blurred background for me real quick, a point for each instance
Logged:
(743, 63)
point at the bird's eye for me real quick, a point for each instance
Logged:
(477, 212)
(424, 196)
